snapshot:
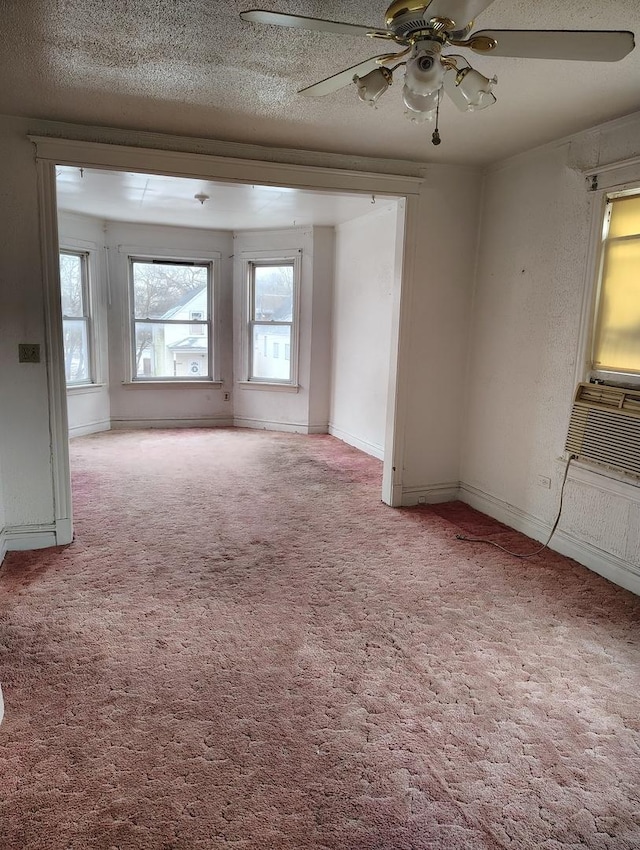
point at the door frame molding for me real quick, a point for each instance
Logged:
(52, 151)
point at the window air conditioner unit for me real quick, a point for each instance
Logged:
(605, 427)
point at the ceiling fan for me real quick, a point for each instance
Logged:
(424, 30)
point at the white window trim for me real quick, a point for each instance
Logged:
(92, 252)
(212, 258)
(593, 273)
(613, 377)
(616, 178)
(280, 387)
(248, 258)
(82, 389)
(173, 384)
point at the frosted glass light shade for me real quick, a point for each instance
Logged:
(476, 89)
(420, 107)
(373, 85)
(424, 73)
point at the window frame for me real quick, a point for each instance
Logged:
(251, 261)
(611, 377)
(211, 261)
(87, 318)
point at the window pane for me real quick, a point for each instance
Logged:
(169, 351)
(267, 345)
(617, 344)
(76, 350)
(273, 293)
(169, 291)
(71, 284)
(625, 217)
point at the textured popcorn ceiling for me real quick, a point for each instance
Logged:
(193, 67)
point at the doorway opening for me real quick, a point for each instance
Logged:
(324, 360)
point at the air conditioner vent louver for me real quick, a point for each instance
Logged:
(605, 427)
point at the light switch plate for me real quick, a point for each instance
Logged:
(28, 352)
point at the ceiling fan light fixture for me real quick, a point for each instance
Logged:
(373, 85)
(423, 28)
(475, 88)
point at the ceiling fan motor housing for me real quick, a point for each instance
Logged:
(406, 19)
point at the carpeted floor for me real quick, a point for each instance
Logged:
(244, 649)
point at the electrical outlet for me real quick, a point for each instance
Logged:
(422, 500)
(28, 352)
(227, 396)
(545, 482)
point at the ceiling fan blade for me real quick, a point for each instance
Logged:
(279, 19)
(585, 45)
(461, 12)
(342, 78)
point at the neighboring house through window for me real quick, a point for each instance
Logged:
(76, 317)
(171, 304)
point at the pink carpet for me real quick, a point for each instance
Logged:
(244, 649)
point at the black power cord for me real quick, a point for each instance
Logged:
(544, 546)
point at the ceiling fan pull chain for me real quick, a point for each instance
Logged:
(435, 136)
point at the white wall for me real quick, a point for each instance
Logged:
(88, 407)
(435, 325)
(434, 371)
(362, 312)
(262, 406)
(25, 447)
(3, 541)
(134, 405)
(149, 405)
(320, 342)
(533, 275)
(510, 417)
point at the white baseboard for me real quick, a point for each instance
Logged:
(90, 428)
(609, 566)
(271, 425)
(318, 429)
(3, 544)
(64, 532)
(431, 495)
(357, 442)
(124, 423)
(22, 537)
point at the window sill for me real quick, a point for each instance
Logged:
(602, 477)
(621, 380)
(81, 389)
(271, 387)
(172, 385)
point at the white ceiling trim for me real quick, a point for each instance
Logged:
(179, 163)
